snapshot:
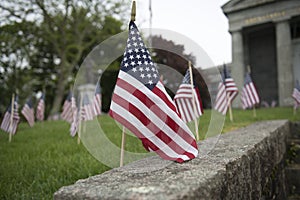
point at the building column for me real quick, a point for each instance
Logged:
(238, 65)
(284, 63)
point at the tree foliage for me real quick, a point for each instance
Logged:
(43, 42)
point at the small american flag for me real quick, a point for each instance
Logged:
(74, 124)
(227, 91)
(97, 101)
(141, 104)
(28, 112)
(6, 122)
(249, 95)
(86, 109)
(296, 94)
(40, 110)
(185, 95)
(67, 109)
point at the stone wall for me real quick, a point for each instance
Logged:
(245, 164)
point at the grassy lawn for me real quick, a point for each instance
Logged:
(41, 159)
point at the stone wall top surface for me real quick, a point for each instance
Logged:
(239, 155)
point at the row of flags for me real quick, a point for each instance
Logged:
(228, 91)
(87, 110)
(11, 117)
(141, 104)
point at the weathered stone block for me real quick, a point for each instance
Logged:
(243, 165)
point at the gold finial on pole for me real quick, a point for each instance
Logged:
(133, 11)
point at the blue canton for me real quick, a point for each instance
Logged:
(137, 60)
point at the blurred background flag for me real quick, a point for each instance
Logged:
(141, 104)
(184, 99)
(97, 100)
(40, 110)
(11, 118)
(249, 95)
(28, 112)
(296, 94)
(230, 86)
(67, 109)
(74, 124)
(227, 91)
(86, 109)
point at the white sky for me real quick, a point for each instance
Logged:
(199, 20)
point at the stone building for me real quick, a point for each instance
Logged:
(266, 36)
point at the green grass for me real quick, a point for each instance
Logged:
(42, 159)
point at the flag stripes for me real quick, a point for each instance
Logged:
(40, 110)
(28, 112)
(67, 109)
(221, 104)
(184, 101)
(148, 116)
(249, 94)
(6, 122)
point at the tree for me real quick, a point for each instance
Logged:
(61, 34)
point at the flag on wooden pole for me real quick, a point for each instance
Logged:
(296, 95)
(11, 117)
(184, 99)
(67, 109)
(227, 91)
(40, 110)
(86, 109)
(97, 100)
(141, 104)
(74, 124)
(249, 94)
(28, 112)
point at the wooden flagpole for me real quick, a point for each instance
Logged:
(80, 121)
(230, 108)
(123, 146)
(11, 117)
(133, 13)
(194, 99)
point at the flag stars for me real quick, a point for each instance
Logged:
(139, 62)
(149, 76)
(141, 69)
(147, 68)
(134, 69)
(126, 65)
(136, 50)
(131, 57)
(132, 63)
(138, 56)
(142, 75)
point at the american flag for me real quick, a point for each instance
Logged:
(227, 91)
(185, 95)
(97, 101)
(74, 124)
(28, 112)
(86, 109)
(296, 94)
(141, 104)
(6, 122)
(249, 95)
(40, 110)
(67, 109)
